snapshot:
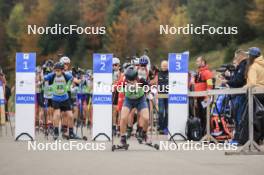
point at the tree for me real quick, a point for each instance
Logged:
(65, 13)
(16, 21)
(181, 42)
(38, 17)
(216, 13)
(118, 35)
(12, 33)
(95, 14)
(5, 8)
(256, 16)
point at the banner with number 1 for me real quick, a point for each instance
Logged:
(25, 96)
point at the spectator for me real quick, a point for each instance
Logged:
(203, 82)
(255, 68)
(255, 78)
(163, 80)
(238, 80)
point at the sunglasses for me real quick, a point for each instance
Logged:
(115, 64)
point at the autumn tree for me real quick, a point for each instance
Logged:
(65, 13)
(38, 17)
(216, 13)
(256, 15)
(118, 35)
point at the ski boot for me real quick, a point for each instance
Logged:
(123, 144)
(129, 132)
(142, 136)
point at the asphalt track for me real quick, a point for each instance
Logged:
(139, 159)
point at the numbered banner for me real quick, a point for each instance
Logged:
(102, 97)
(2, 104)
(25, 96)
(178, 94)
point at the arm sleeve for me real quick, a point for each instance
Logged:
(239, 78)
(237, 81)
(208, 77)
(252, 77)
(48, 76)
(69, 77)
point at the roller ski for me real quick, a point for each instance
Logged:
(122, 146)
(142, 139)
(73, 137)
(155, 146)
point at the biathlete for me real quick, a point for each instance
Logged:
(134, 98)
(61, 102)
(116, 77)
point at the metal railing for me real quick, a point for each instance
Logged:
(250, 147)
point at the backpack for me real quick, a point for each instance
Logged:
(219, 124)
(194, 129)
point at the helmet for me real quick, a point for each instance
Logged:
(59, 65)
(135, 61)
(144, 60)
(89, 72)
(131, 73)
(254, 51)
(49, 63)
(126, 65)
(65, 59)
(116, 60)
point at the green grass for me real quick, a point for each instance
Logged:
(216, 58)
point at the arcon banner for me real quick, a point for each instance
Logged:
(178, 94)
(25, 96)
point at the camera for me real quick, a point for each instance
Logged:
(226, 67)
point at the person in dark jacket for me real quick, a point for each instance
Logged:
(238, 80)
(163, 80)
